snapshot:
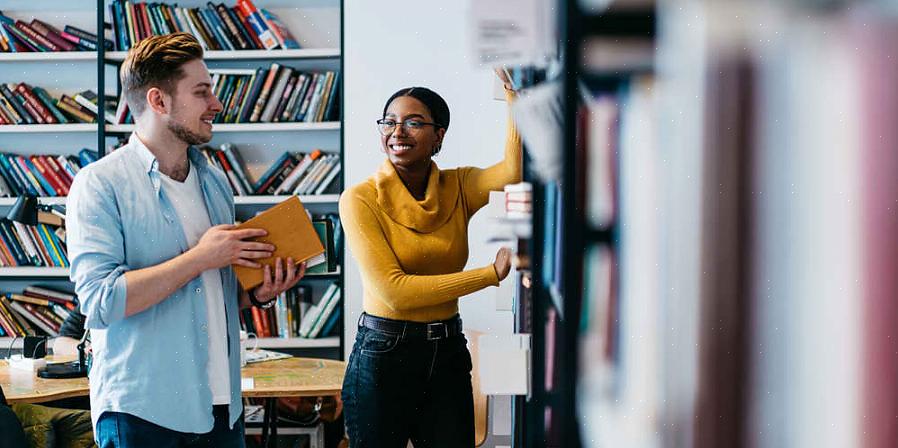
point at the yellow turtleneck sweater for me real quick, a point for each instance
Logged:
(411, 253)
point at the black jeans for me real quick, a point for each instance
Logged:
(117, 429)
(399, 388)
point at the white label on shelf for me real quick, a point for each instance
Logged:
(247, 383)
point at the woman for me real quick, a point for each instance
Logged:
(409, 374)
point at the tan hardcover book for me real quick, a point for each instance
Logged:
(290, 230)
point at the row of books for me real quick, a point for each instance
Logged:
(276, 94)
(36, 311)
(27, 245)
(16, 36)
(299, 173)
(217, 27)
(296, 316)
(41, 175)
(23, 104)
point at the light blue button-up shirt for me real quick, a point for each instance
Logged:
(153, 364)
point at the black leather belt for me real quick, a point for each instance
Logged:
(426, 330)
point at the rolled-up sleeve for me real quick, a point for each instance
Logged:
(96, 250)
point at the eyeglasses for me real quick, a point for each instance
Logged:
(387, 126)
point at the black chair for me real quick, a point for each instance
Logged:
(11, 433)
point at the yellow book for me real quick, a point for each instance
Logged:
(290, 230)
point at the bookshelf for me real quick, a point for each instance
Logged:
(48, 128)
(60, 56)
(317, 27)
(245, 127)
(242, 55)
(603, 50)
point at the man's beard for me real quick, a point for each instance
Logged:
(186, 135)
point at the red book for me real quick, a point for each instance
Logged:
(7, 255)
(32, 99)
(33, 112)
(257, 321)
(59, 170)
(42, 172)
(41, 248)
(34, 311)
(37, 37)
(249, 29)
(52, 34)
(145, 19)
(61, 188)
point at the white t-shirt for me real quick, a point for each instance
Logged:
(187, 200)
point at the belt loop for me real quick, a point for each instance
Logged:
(404, 327)
(361, 322)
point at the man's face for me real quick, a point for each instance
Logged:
(194, 105)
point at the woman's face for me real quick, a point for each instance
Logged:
(407, 146)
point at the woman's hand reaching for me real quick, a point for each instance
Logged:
(503, 76)
(502, 263)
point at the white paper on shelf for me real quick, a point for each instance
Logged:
(511, 32)
(538, 114)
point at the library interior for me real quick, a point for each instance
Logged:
(651, 224)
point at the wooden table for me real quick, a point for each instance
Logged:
(290, 377)
(21, 386)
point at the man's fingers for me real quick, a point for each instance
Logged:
(254, 254)
(247, 263)
(250, 245)
(249, 233)
(278, 271)
(291, 271)
(266, 277)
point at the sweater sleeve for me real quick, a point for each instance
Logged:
(478, 182)
(384, 277)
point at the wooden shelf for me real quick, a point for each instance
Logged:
(303, 53)
(45, 128)
(238, 200)
(248, 127)
(49, 56)
(268, 343)
(34, 272)
(54, 200)
(271, 200)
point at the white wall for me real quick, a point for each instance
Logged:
(407, 43)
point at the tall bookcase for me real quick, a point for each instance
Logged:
(317, 27)
(601, 52)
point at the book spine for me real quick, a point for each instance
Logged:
(79, 41)
(36, 37)
(13, 104)
(69, 106)
(229, 25)
(47, 100)
(258, 25)
(257, 44)
(23, 38)
(259, 106)
(84, 35)
(30, 109)
(52, 34)
(32, 99)
(240, 25)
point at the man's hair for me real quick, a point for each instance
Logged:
(156, 62)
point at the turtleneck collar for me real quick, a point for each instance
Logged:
(426, 215)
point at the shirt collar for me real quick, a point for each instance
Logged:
(151, 164)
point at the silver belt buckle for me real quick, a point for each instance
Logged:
(434, 334)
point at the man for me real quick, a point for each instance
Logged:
(151, 240)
